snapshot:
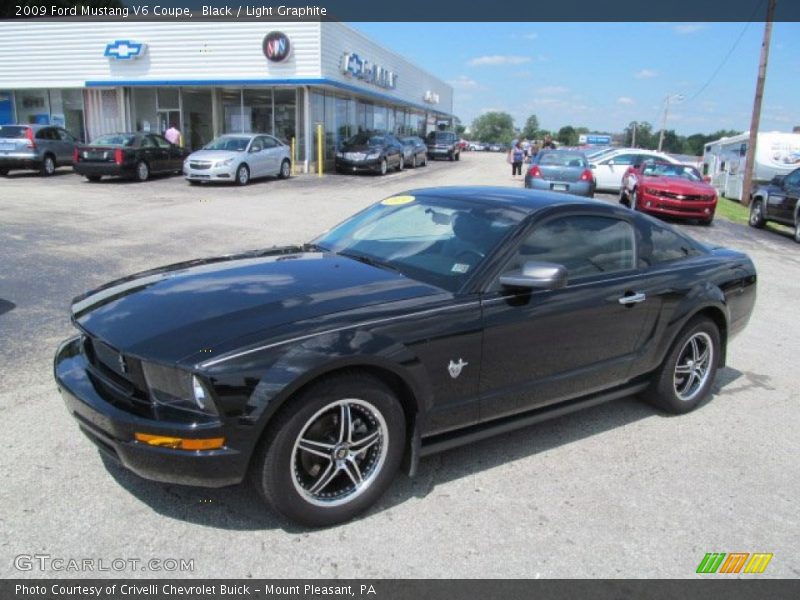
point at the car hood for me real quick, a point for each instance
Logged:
(363, 148)
(213, 155)
(175, 312)
(678, 186)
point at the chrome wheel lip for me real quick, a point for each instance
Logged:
(242, 175)
(339, 455)
(695, 361)
(755, 213)
(142, 171)
(285, 169)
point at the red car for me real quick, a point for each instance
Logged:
(668, 189)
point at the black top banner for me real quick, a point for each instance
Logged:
(407, 10)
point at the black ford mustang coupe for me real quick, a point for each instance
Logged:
(428, 320)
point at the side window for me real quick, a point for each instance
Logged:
(658, 244)
(792, 180)
(160, 141)
(147, 142)
(65, 135)
(586, 245)
(46, 134)
(268, 142)
(625, 159)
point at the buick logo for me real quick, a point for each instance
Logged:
(276, 46)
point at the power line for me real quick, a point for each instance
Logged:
(730, 52)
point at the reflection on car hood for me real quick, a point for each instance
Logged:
(678, 186)
(214, 155)
(362, 148)
(174, 312)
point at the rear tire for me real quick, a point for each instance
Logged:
(458, 156)
(193, 182)
(797, 228)
(3, 172)
(93, 178)
(286, 170)
(48, 166)
(309, 466)
(142, 171)
(243, 175)
(685, 377)
(757, 219)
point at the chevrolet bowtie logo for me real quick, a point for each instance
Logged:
(124, 49)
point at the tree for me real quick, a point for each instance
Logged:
(567, 136)
(494, 127)
(531, 129)
(644, 135)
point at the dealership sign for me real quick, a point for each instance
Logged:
(276, 46)
(125, 50)
(431, 97)
(354, 66)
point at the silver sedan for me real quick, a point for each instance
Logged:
(239, 158)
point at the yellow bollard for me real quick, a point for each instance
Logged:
(319, 149)
(294, 155)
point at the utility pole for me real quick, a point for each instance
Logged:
(633, 141)
(667, 100)
(756, 118)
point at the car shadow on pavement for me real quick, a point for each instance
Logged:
(241, 508)
(36, 175)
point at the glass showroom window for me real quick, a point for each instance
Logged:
(257, 110)
(285, 114)
(33, 106)
(144, 109)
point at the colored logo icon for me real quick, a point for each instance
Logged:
(735, 562)
(124, 50)
(276, 46)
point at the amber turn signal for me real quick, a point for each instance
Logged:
(180, 443)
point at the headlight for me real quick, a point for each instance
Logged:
(652, 192)
(178, 389)
(340, 154)
(223, 163)
(373, 156)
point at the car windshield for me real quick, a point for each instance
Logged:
(13, 131)
(439, 241)
(562, 159)
(677, 171)
(440, 137)
(114, 139)
(365, 139)
(233, 143)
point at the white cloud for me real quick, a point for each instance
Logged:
(530, 36)
(552, 90)
(625, 100)
(491, 109)
(497, 59)
(689, 28)
(645, 74)
(462, 82)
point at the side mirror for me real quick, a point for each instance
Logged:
(255, 148)
(536, 275)
(777, 180)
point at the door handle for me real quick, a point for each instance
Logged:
(633, 299)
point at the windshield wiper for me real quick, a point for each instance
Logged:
(314, 248)
(368, 260)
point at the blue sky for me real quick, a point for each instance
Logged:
(605, 75)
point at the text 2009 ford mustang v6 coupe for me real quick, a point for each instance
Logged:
(427, 320)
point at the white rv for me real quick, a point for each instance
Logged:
(724, 160)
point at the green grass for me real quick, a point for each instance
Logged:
(732, 210)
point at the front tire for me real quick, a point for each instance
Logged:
(243, 175)
(634, 200)
(332, 451)
(384, 167)
(3, 172)
(757, 219)
(401, 165)
(685, 377)
(797, 228)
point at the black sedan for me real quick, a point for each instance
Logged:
(415, 152)
(130, 155)
(374, 152)
(430, 319)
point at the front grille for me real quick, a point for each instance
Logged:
(117, 377)
(688, 198)
(355, 155)
(200, 166)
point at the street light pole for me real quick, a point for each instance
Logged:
(667, 100)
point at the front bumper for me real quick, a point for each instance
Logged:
(222, 173)
(355, 166)
(576, 188)
(686, 209)
(112, 430)
(440, 151)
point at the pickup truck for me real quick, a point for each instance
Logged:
(777, 202)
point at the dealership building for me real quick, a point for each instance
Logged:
(210, 78)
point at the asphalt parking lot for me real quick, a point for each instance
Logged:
(617, 491)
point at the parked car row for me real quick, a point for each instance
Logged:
(378, 151)
(485, 147)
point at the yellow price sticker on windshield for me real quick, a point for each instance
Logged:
(398, 200)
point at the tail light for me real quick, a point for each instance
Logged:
(75, 155)
(118, 156)
(29, 136)
(586, 175)
(535, 172)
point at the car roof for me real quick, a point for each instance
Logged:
(522, 199)
(34, 126)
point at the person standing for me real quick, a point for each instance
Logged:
(516, 155)
(548, 143)
(173, 135)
